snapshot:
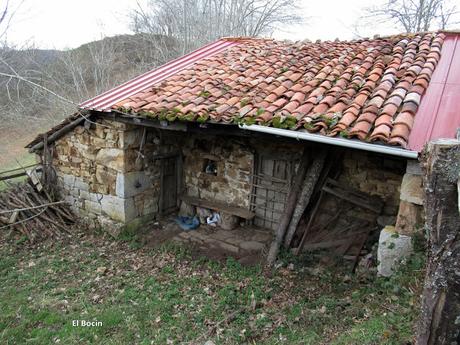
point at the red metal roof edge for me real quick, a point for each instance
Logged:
(104, 101)
(438, 115)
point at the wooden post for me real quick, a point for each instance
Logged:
(289, 209)
(440, 316)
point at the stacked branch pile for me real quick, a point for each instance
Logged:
(35, 215)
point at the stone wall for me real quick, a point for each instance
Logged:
(233, 160)
(105, 174)
(375, 175)
(99, 174)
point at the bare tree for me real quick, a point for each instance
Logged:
(416, 15)
(195, 23)
(7, 12)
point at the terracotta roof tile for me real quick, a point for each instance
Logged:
(369, 88)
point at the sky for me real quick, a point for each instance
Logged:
(63, 24)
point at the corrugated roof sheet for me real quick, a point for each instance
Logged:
(104, 102)
(367, 89)
(439, 112)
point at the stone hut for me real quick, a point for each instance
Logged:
(227, 127)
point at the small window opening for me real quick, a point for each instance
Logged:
(210, 167)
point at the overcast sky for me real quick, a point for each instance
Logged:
(69, 23)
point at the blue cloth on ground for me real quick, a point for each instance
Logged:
(187, 223)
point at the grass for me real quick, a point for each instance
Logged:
(162, 296)
(24, 160)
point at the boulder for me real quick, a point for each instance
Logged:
(393, 247)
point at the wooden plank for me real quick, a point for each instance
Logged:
(310, 221)
(325, 244)
(20, 168)
(218, 206)
(9, 177)
(22, 173)
(374, 203)
(351, 198)
(292, 199)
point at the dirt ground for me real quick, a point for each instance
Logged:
(210, 242)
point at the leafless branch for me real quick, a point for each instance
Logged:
(416, 15)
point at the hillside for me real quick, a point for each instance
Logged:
(76, 74)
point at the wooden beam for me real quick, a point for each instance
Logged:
(146, 122)
(346, 195)
(59, 133)
(19, 174)
(219, 206)
(20, 168)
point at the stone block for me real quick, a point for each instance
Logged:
(95, 197)
(111, 158)
(151, 205)
(98, 142)
(412, 189)
(393, 247)
(105, 175)
(413, 167)
(130, 139)
(81, 184)
(410, 218)
(93, 207)
(100, 188)
(118, 209)
(79, 130)
(99, 131)
(75, 192)
(131, 184)
(111, 227)
(228, 247)
(132, 163)
(69, 199)
(68, 180)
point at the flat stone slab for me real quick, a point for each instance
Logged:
(240, 242)
(221, 235)
(261, 236)
(252, 245)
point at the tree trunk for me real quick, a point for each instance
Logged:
(296, 207)
(440, 317)
(305, 196)
(290, 204)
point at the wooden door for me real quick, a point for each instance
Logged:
(271, 183)
(169, 184)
